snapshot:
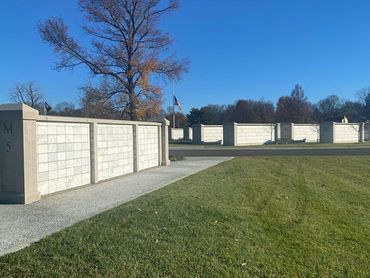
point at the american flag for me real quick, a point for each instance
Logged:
(176, 102)
(48, 108)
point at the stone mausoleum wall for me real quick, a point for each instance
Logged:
(44, 154)
(298, 132)
(236, 134)
(176, 134)
(331, 132)
(347, 133)
(207, 134)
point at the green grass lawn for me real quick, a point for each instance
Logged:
(296, 217)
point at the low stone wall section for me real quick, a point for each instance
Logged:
(213, 133)
(176, 134)
(331, 132)
(255, 134)
(236, 134)
(310, 133)
(347, 133)
(44, 154)
(207, 134)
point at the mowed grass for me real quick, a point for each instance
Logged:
(247, 217)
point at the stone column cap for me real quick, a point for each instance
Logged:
(28, 113)
(165, 121)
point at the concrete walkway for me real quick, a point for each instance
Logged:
(21, 225)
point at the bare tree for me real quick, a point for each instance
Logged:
(27, 93)
(127, 47)
(66, 109)
(363, 93)
(329, 109)
(94, 105)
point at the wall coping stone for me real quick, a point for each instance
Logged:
(93, 120)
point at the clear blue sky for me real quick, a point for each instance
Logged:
(238, 49)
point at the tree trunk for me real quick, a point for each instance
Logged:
(133, 106)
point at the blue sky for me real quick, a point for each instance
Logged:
(238, 49)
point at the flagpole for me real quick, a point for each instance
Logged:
(173, 105)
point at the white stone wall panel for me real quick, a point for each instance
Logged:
(347, 133)
(148, 147)
(177, 133)
(255, 134)
(213, 134)
(309, 132)
(115, 150)
(63, 151)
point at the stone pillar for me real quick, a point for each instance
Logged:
(159, 145)
(94, 152)
(277, 132)
(165, 145)
(18, 154)
(292, 132)
(188, 133)
(136, 147)
(286, 132)
(362, 132)
(230, 134)
(327, 132)
(170, 134)
(334, 132)
(198, 134)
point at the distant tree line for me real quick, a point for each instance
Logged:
(292, 108)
